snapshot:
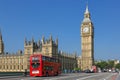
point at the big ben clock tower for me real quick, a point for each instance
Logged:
(87, 42)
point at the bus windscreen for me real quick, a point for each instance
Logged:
(35, 65)
(35, 62)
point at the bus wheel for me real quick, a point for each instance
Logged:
(57, 74)
(47, 74)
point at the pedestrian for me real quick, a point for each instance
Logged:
(25, 73)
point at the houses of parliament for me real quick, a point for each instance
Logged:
(19, 62)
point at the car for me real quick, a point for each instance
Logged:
(87, 71)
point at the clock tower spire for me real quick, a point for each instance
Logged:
(87, 41)
(87, 11)
(86, 15)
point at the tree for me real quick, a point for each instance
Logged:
(117, 66)
(102, 64)
(110, 64)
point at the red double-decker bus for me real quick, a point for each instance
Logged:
(44, 66)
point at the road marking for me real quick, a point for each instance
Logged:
(60, 78)
(89, 77)
(63, 77)
(107, 77)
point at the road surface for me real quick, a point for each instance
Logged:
(70, 76)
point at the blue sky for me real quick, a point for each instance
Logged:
(62, 19)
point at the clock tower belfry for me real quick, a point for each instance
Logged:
(87, 41)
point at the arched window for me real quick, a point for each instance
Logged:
(10, 66)
(14, 66)
(21, 66)
(18, 66)
(7, 66)
(3, 66)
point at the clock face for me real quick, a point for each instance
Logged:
(85, 30)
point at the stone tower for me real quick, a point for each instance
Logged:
(1, 44)
(87, 41)
(31, 46)
(50, 47)
(46, 47)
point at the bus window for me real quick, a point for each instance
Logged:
(51, 68)
(52, 60)
(43, 58)
(35, 65)
(35, 59)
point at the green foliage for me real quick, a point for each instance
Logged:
(105, 64)
(102, 64)
(76, 69)
(117, 66)
(110, 64)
